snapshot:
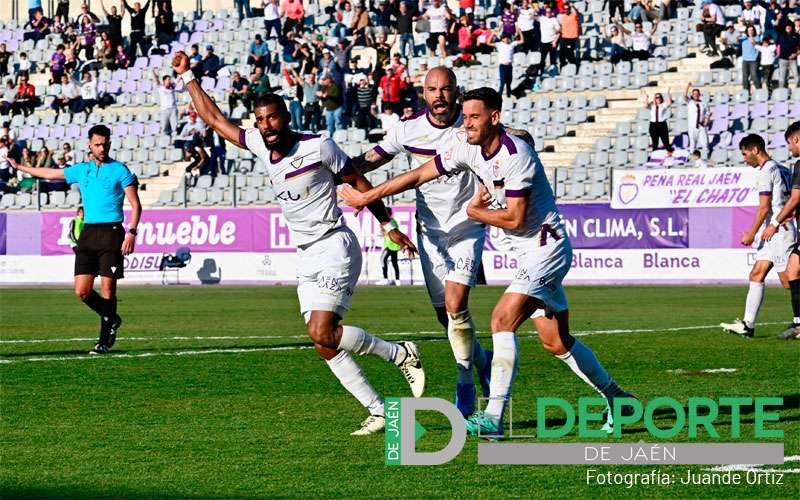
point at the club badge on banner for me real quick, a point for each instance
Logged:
(684, 188)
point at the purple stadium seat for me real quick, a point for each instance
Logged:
(207, 83)
(26, 133)
(196, 37)
(739, 111)
(120, 130)
(102, 87)
(85, 130)
(155, 62)
(114, 87)
(57, 131)
(760, 110)
(137, 129)
(5, 35)
(218, 25)
(135, 74)
(718, 126)
(141, 63)
(42, 132)
(152, 128)
(73, 132)
(720, 111)
(120, 75)
(146, 86)
(199, 27)
(794, 111)
(129, 87)
(778, 141)
(736, 140)
(12, 45)
(183, 38)
(222, 84)
(779, 109)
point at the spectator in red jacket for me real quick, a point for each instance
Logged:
(25, 100)
(392, 85)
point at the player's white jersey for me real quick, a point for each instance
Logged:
(513, 171)
(304, 182)
(442, 203)
(776, 180)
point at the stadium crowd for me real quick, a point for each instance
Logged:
(364, 79)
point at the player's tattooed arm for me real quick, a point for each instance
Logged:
(403, 182)
(522, 134)
(512, 217)
(369, 161)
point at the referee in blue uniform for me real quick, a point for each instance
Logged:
(104, 183)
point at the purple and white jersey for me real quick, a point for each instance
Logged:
(513, 171)
(441, 203)
(776, 180)
(304, 182)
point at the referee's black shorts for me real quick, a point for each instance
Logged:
(99, 250)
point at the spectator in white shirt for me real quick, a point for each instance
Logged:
(70, 94)
(272, 18)
(88, 99)
(7, 99)
(660, 113)
(753, 15)
(769, 52)
(698, 161)
(505, 58)
(438, 15)
(168, 110)
(192, 134)
(550, 30)
(640, 41)
(713, 24)
(697, 120)
(388, 118)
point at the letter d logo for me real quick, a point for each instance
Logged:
(402, 427)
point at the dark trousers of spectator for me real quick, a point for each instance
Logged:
(396, 106)
(529, 41)
(137, 38)
(34, 35)
(290, 25)
(217, 161)
(260, 62)
(85, 105)
(5, 108)
(710, 32)
(768, 70)
(385, 257)
(618, 6)
(56, 74)
(234, 98)
(25, 106)
(243, 8)
(750, 73)
(72, 105)
(274, 24)
(569, 47)
(659, 132)
(642, 55)
(311, 116)
(549, 51)
(63, 11)
(506, 76)
(364, 119)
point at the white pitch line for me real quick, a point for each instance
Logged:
(757, 467)
(707, 370)
(578, 333)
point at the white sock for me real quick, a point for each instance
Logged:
(357, 340)
(584, 363)
(353, 379)
(461, 333)
(504, 366)
(796, 320)
(755, 296)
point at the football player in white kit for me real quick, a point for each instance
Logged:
(450, 243)
(514, 195)
(774, 183)
(304, 170)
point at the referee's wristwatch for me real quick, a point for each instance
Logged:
(133, 231)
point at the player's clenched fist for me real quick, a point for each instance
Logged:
(180, 63)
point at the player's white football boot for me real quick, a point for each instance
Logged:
(373, 424)
(411, 366)
(791, 333)
(738, 327)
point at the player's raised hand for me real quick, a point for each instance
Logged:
(406, 245)
(180, 63)
(353, 197)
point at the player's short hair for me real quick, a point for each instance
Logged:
(100, 130)
(751, 141)
(793, 129)
(489, 96)
(271, 99)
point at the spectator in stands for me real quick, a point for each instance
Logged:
(391, 87)
(192, 133)
(5, 167)
(85, 12)
(366, 98)
(218, 153)
(508, 19)
(292, 85)
(505, 59)
(62, 10)
(238, 92)
(788, 48)
(713, 23)
(570, 35)
(5, 56)
(168, 108)
(341, 54)
(105, 50)
(768, 52)
(438, 16)
(750, 57)
(640, 41)
(121, 61)
(697, 119)
(23, 65)
(272, 18)
(382, 51)
(387, 118)
(259, 52)
(66, 152)
(57, 62)
(528, 25)
(615, 6)
(40, 27)
(729, 41)
(360, 26)
(43, 159)
(772, 20)
(551, 32)
(405, 29)
(399, 66)
(311, 112)
(68, 98)
(57, 184)
(484, 38)
(57, 27)
(7, 98)
(33, 7)
(114, 24)
(137, 37)
(165, 27)
(383, 17)
(697, 160)
(660, 113)
(25, 100)
(753, 15)
(88, 33)
(463, 33)
(618, 46)
(326, 63)
(242, 8)
(195, 60)
(259, 84)
(331, 96)
(210, 64)
(294, 12)
(198, 160)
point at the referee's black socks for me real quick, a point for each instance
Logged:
(95, 302)
(794, 288)
(108, 313)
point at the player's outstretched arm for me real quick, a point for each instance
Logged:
(378, 209)
(512, 217)
(208, 111)
(403, 182)
(54, 174)
(369, 161)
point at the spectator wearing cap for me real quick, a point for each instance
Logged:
(550, 33)
(330, 93)
(294, 12)
(570, 35)
(272, 18)
(438, 16)
(209, 65)
(405, 30)
(259, 53)
(528, 26)
(788, 48)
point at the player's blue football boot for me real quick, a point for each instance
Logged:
(627, 410)
(465, 399)
(483, 425)
(485, 374)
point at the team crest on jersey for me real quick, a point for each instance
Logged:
(297, 161)
(461, 134)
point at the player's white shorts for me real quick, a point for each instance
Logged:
(778, 249)
(452, 256)
(327, 272)
(540, 273)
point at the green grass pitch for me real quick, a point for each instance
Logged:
(160, 417)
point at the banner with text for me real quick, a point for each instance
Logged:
(685, 187)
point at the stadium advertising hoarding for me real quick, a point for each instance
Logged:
(229, 245)
(684, 187)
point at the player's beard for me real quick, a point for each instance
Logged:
(442, 117)
(282, 134)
